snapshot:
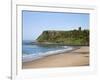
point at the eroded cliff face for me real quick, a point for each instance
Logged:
(73, 37)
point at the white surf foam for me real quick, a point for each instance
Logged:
(31, 57)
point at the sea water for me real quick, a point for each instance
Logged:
(33, 51)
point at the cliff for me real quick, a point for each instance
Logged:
(72, 37)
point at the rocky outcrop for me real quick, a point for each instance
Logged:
(72, 37)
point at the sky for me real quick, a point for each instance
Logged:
(34, 23)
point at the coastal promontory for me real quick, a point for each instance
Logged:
(71, 37)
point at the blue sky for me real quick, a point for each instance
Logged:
(34, 23)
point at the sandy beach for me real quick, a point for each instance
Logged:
(77, 57)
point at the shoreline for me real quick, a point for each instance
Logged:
(31, 57)
(77, 57)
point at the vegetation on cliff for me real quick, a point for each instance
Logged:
(72, 37)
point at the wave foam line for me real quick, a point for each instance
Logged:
(32, 57)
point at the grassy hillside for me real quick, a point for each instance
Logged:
(72, 37)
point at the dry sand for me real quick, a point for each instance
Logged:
(78, 57)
